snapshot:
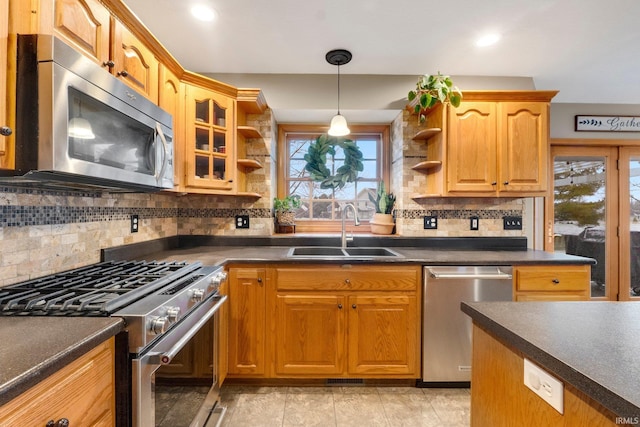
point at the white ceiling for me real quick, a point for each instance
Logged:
(589, 50)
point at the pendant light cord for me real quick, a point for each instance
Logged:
(338, 88)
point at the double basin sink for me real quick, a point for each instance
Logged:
(334, 252)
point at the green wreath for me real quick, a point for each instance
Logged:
(316, 159)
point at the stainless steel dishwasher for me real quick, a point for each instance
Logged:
(446, 331)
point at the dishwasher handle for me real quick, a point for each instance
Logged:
(498, 275)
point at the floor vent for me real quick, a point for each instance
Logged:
(345, 381)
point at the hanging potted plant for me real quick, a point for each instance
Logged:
(284, 209)
(382, 221)
(431, 89)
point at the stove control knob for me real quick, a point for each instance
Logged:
(217, 280)
(159, 325)
(197, 295)
(173, 314)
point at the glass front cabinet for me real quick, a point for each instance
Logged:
(210, 141)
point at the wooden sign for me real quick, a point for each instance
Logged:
(608, 123)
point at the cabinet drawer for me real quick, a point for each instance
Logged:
(348, 277)
(552, 278)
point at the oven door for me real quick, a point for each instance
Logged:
(145, 365)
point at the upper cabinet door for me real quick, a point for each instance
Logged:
(85, 25)
(472, 148)
(523, 146)
(210, 144)
(5, 130)
(135, 64)
(170, 99)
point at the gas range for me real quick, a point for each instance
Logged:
(151, 296)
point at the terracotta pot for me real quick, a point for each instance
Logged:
(382, 223)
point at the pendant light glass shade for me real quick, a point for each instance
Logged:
(80, 128)
(339, 126)
(338, 122)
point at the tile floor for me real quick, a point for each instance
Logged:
(361, 406)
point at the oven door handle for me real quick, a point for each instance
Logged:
(165, 357)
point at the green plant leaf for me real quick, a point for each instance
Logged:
(412, 95)
(455, 99)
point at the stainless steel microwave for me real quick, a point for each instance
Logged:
(77, 125)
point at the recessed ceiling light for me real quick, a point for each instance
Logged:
(488, 40)
(203, 12)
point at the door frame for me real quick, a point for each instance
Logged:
(612, 196)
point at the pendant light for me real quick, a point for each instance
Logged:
(338, 122)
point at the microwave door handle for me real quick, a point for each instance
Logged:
(165, 149)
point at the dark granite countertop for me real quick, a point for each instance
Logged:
(35, 347)
(218, 255)
(594, 346)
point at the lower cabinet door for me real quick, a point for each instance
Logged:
(383, 335)
(310, 336)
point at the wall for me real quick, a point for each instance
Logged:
(563, 120)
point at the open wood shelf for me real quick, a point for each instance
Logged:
(426, 165)
(248, 194)
(249, 131)
(249, 164)
(425, 196)
(425, 134)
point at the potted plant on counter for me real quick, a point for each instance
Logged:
(284, 209)
(431, 89)
(382, 221)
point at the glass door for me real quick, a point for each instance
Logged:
(629, 224)
(582, 219)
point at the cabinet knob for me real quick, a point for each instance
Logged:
(123, 73)
(51, 423)
(347, 281)
(555, 281)
(505, 183)
(109, 64)
(494, 183)
(63, 422)
(340, 306)
(5, 131)
(260, 280)
(354, 306)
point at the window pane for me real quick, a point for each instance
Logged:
(579, 210)
(325, 204)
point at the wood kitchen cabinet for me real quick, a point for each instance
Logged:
(210, 143)
(171, 99)
(91, 28)
(82, 392)
(5, 127)
(552, 283)
(494, 144)
(247, 320)
(349, 321)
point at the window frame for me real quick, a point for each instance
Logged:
(324, 226)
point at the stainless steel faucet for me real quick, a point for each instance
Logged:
(356, 221)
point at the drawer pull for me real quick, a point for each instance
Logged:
(354, 306)
(347, 281)
(340, 306)
(556, 281)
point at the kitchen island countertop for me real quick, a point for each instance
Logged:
(35, 347)
(594, 346)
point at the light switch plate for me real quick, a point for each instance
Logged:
(242, 221)
(474, 223)
(549, 388)
(512, 222)
(430, 222)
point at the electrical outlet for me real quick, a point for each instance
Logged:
(512, 223)
(242, 221)
(474, 223)
(135, 223)
(430, 222)
(550, 389)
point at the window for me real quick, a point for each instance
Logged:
(322, 208)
